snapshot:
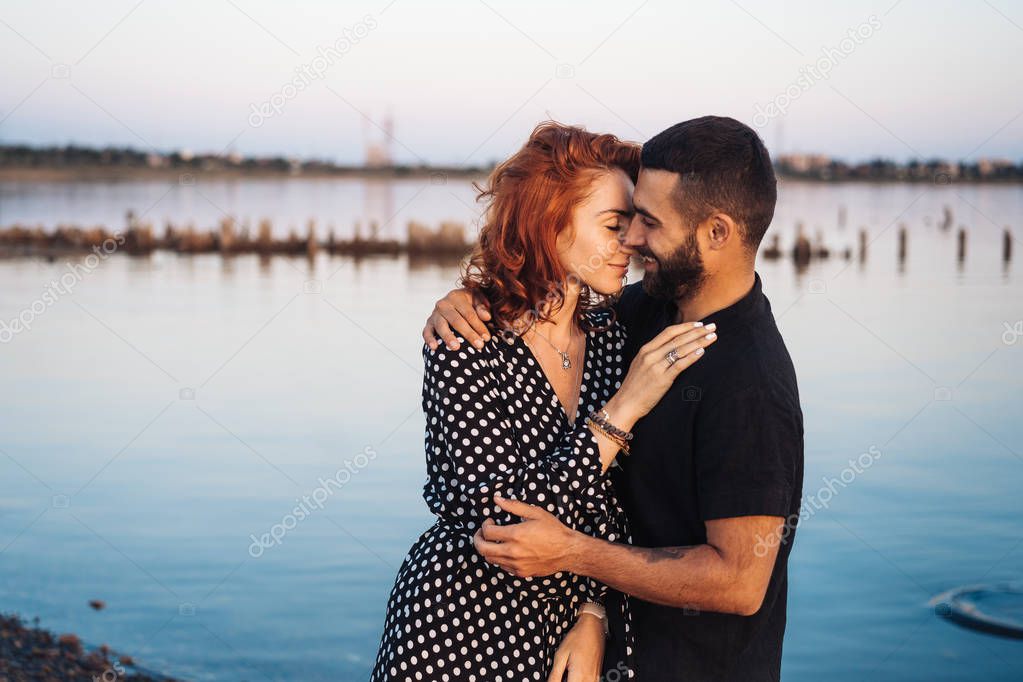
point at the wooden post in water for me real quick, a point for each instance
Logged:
(310, 243)
(801, 251)
(863, 245)
(946, 219)
(264, 238)
(227, 235)
(961, 244)
(1006, 246)
(820, 249)
(245, 236)
(902, 244)
(188, 240)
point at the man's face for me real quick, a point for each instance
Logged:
(672, 264)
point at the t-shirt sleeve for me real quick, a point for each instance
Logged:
(746, 455)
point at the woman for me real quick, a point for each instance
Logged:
(533, 415)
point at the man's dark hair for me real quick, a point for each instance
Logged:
(723, 166)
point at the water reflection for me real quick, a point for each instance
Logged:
(304, 376)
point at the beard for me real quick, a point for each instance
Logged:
(679, 275)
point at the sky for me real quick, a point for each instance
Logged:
(465, 82)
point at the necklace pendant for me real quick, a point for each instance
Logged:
(565, 362)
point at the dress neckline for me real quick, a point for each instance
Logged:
(549, 387)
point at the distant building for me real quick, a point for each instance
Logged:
(378, 149)
(805, 163)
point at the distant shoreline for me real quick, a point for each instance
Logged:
(26, 163)
(438, 175)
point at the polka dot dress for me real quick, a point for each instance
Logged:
(494, 424)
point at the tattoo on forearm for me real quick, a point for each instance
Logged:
(655, 554)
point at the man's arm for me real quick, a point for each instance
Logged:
(728, 574)
(462, 313)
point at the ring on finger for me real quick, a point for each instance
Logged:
(671, 356)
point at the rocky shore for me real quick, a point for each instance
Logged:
(30, 653)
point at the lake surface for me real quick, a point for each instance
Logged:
(173, 407)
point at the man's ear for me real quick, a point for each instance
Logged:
(721, 229)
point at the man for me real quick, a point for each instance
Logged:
(712, 488)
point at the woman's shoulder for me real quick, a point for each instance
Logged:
(465, 360)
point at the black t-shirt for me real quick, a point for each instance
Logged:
(725, 441)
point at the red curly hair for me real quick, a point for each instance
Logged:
(529, 201)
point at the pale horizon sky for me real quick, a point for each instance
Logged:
(466, 81)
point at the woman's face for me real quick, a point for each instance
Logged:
(590, 249)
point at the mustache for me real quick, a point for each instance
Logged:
(646, 252)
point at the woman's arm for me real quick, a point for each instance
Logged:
(470, 431)
(649, 378)
(458, 318)
(581, 651)
(468, 420)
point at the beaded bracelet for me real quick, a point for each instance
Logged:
(617, 440)
(604, 419)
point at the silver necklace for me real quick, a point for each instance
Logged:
(566, 364)
(566, 361)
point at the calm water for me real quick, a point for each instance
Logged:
(173, 407)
